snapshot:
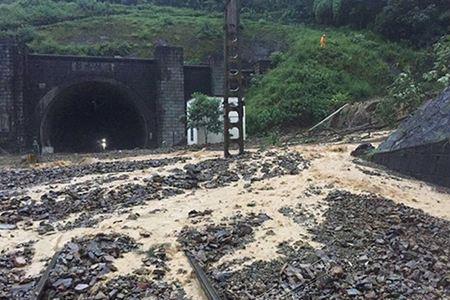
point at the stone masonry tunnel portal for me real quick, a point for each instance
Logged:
(72, 102)
(81, 115)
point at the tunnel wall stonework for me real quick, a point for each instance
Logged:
(171, 95)
(6, 90)
(12, 136)
(49, 75)
(192, 76)
(162, 84)
(28, 80)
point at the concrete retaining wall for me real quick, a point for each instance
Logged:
(429, 162)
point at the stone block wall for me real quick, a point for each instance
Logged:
(197, 79)
(164, 84)
(171, 96)
(217, 66)
(430, 162)
(12, 135)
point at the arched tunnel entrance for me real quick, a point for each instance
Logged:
(82, 115)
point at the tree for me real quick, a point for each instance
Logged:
(419, 21)
(205, 112)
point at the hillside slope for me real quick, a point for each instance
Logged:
(309, 82)
(111, 30)
(306, 83)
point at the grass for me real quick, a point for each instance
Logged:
(142, 29)
(310, 82)
(306, 84)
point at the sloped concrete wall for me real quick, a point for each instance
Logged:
(421, 145)
(430, 162)
(429, 124)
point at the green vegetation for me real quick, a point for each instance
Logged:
(129, 30)
(43, 12)
(419, 21)
(310, 82)
(412, 88)
(307, 82)
(205, 112)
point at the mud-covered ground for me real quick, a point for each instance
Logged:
(300, 222)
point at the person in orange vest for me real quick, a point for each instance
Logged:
(323, 41)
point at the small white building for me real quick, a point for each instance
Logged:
(196, 136)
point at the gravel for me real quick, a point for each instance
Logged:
(92, 199)
(372, 248)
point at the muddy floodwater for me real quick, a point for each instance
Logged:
(284, 223)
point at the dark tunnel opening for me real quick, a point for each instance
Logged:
(85, 114)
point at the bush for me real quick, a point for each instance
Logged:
(441, 68)
(418, 21)
(310, 82)
(26, 34)
(410, 90)
(44, 12)
(208, 31)
(404, 96)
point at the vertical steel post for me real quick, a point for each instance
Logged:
(233, 77)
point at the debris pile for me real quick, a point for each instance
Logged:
(11, 178)
(93, 199)
(251, 167)
(137, 287)
(156, 258)
(13, 282)
(85, 261)
(373, 249)
(391, 250)
(209, 244)
(98, 200)
(299, 215)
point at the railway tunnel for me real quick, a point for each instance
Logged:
(78, 117)
(69, 103)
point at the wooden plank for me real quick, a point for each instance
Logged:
(329, 117)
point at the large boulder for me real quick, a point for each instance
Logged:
(420, 147)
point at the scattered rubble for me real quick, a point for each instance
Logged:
(156, 257)
(393, 250)
(373, 249)
(20, 178)
(299, 215)
(84, 220)
(82, 267)
(13, 282)
(94, 199)
(210, 243)
(251, 167)
(80, 272)
(195, 214)
(84, 262)
(137, 287)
